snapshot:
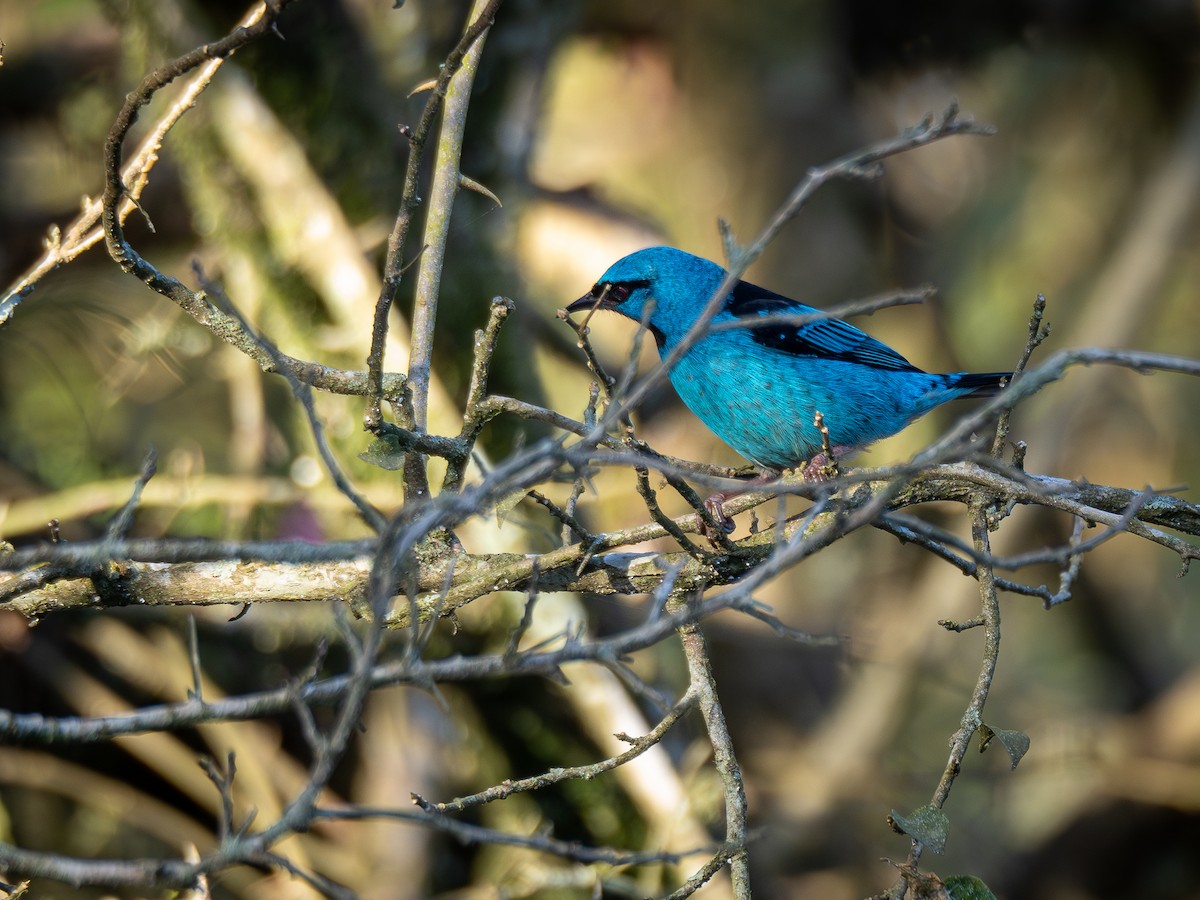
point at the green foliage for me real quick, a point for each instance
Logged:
(967, 887)
(384, 452)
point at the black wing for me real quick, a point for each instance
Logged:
(824, 339)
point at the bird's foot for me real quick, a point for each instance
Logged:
(823, 467)
(715, 507)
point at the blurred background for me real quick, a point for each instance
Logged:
(605, 127)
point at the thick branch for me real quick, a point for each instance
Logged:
(198, 572)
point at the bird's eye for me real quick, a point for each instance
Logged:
(619, 292)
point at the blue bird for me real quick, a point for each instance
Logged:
(759, 387)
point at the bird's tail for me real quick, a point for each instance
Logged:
(982, 384)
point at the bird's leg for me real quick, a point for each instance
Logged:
(822, 467)
(715, 505)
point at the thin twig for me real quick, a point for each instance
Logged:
(972, 717)
(121, 522)
(504, 790)
(473, 415)
(82, 233)
(394, 265)
(477, 834)
(1039, 330)
(444, 188)
(695, 651)
(304, 396)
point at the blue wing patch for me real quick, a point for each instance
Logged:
(823, 339)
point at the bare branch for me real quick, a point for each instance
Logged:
(394, 265)
(695, 651)
(507, 788)
(82, 234)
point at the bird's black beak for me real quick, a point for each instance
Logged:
(596, 298)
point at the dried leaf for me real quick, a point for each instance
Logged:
(927, 824)
(1015, 742)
